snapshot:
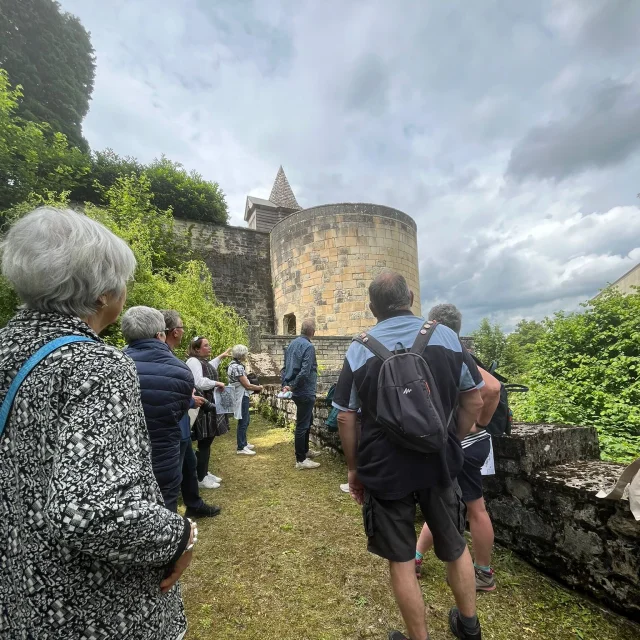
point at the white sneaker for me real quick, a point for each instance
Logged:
(208, 483)
(245, 452)
(344, 488)
(250, 446)
(214, 478)
(313, 454)
(307, 464)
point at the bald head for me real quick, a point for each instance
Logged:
(389, 293)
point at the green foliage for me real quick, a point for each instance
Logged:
(49, 53)
(186, 193)
(489, 342)
(585, 369)
(519, 348)
(33, 158)
(162, 280)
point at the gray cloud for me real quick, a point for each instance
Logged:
(508, 131)
(603, 132)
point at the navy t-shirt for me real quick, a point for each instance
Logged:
(389, 471)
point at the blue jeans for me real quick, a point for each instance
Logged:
(243, 424)
(304, 417)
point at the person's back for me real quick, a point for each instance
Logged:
(166, 387)
(389, 479)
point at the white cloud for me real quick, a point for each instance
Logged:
(419, 109)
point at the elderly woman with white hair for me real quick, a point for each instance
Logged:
(239, 382)
(88, 551)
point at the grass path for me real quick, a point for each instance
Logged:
(287, 559)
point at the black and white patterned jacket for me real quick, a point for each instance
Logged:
(84, 538)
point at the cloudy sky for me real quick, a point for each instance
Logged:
(510, 131)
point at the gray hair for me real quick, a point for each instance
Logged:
(61, 261)
(171, 319)
(239, 352)
(448, 315)
(141, 323)
(308, 327)
(389, 292)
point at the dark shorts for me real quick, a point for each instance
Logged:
(391, 530)
(470, 478)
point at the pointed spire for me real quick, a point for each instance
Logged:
(281, 193)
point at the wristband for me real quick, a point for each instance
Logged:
(194, 528)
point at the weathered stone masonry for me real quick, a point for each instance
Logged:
(239, 260)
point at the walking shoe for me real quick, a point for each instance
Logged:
(397, 635)
(307, 464)
(245, 452)
(214, 478)
(208, 483)
(205, 511)
(418, 569)
(311, 454)
(485, 581)
(344, 488)
(457, 628)
(250, 446)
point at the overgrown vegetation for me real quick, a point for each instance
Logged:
(167, 275)
(582, 368)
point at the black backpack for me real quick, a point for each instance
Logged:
(408, 404)
(502, 419)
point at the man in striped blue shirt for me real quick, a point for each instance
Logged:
(476, 447)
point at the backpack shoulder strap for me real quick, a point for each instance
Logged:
(375, 346)
(26, 369)
(424, 337)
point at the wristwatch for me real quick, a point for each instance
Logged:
(194, 528)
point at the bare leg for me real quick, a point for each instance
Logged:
(481, 531)
(462, 579)
(409, 598)
(425, 541)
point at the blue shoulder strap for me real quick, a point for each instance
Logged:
(26, 369)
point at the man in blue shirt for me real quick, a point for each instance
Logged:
(300, 376)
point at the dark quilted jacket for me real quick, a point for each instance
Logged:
(166, 385)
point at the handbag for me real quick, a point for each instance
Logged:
(28, 367)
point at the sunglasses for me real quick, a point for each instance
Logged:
(198, 338)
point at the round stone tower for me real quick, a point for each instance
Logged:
(323, 259)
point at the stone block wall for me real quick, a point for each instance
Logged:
(543, 506)
(324, 258)
(240, 265)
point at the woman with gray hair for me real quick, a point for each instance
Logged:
(239, 382)
(87, 548)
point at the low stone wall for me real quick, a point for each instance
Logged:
(330, 350)
(543, 506)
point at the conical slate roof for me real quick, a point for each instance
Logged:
(281, 193)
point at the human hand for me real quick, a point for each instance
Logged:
(178, 569)
(227, 353)
(356, 488)
(199, 400)
(260, 388)
(285, 389)
(221, 386)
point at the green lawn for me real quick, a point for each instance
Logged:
(287, 559)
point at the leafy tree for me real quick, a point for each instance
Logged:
(186, 193)
(48, 53)
(585, 369)
(162, 280)
(489, 342)
(519, 348)
(33, 158)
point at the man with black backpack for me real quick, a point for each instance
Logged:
(409, 377)
(476, 447)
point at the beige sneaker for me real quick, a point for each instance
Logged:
(307, 464)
